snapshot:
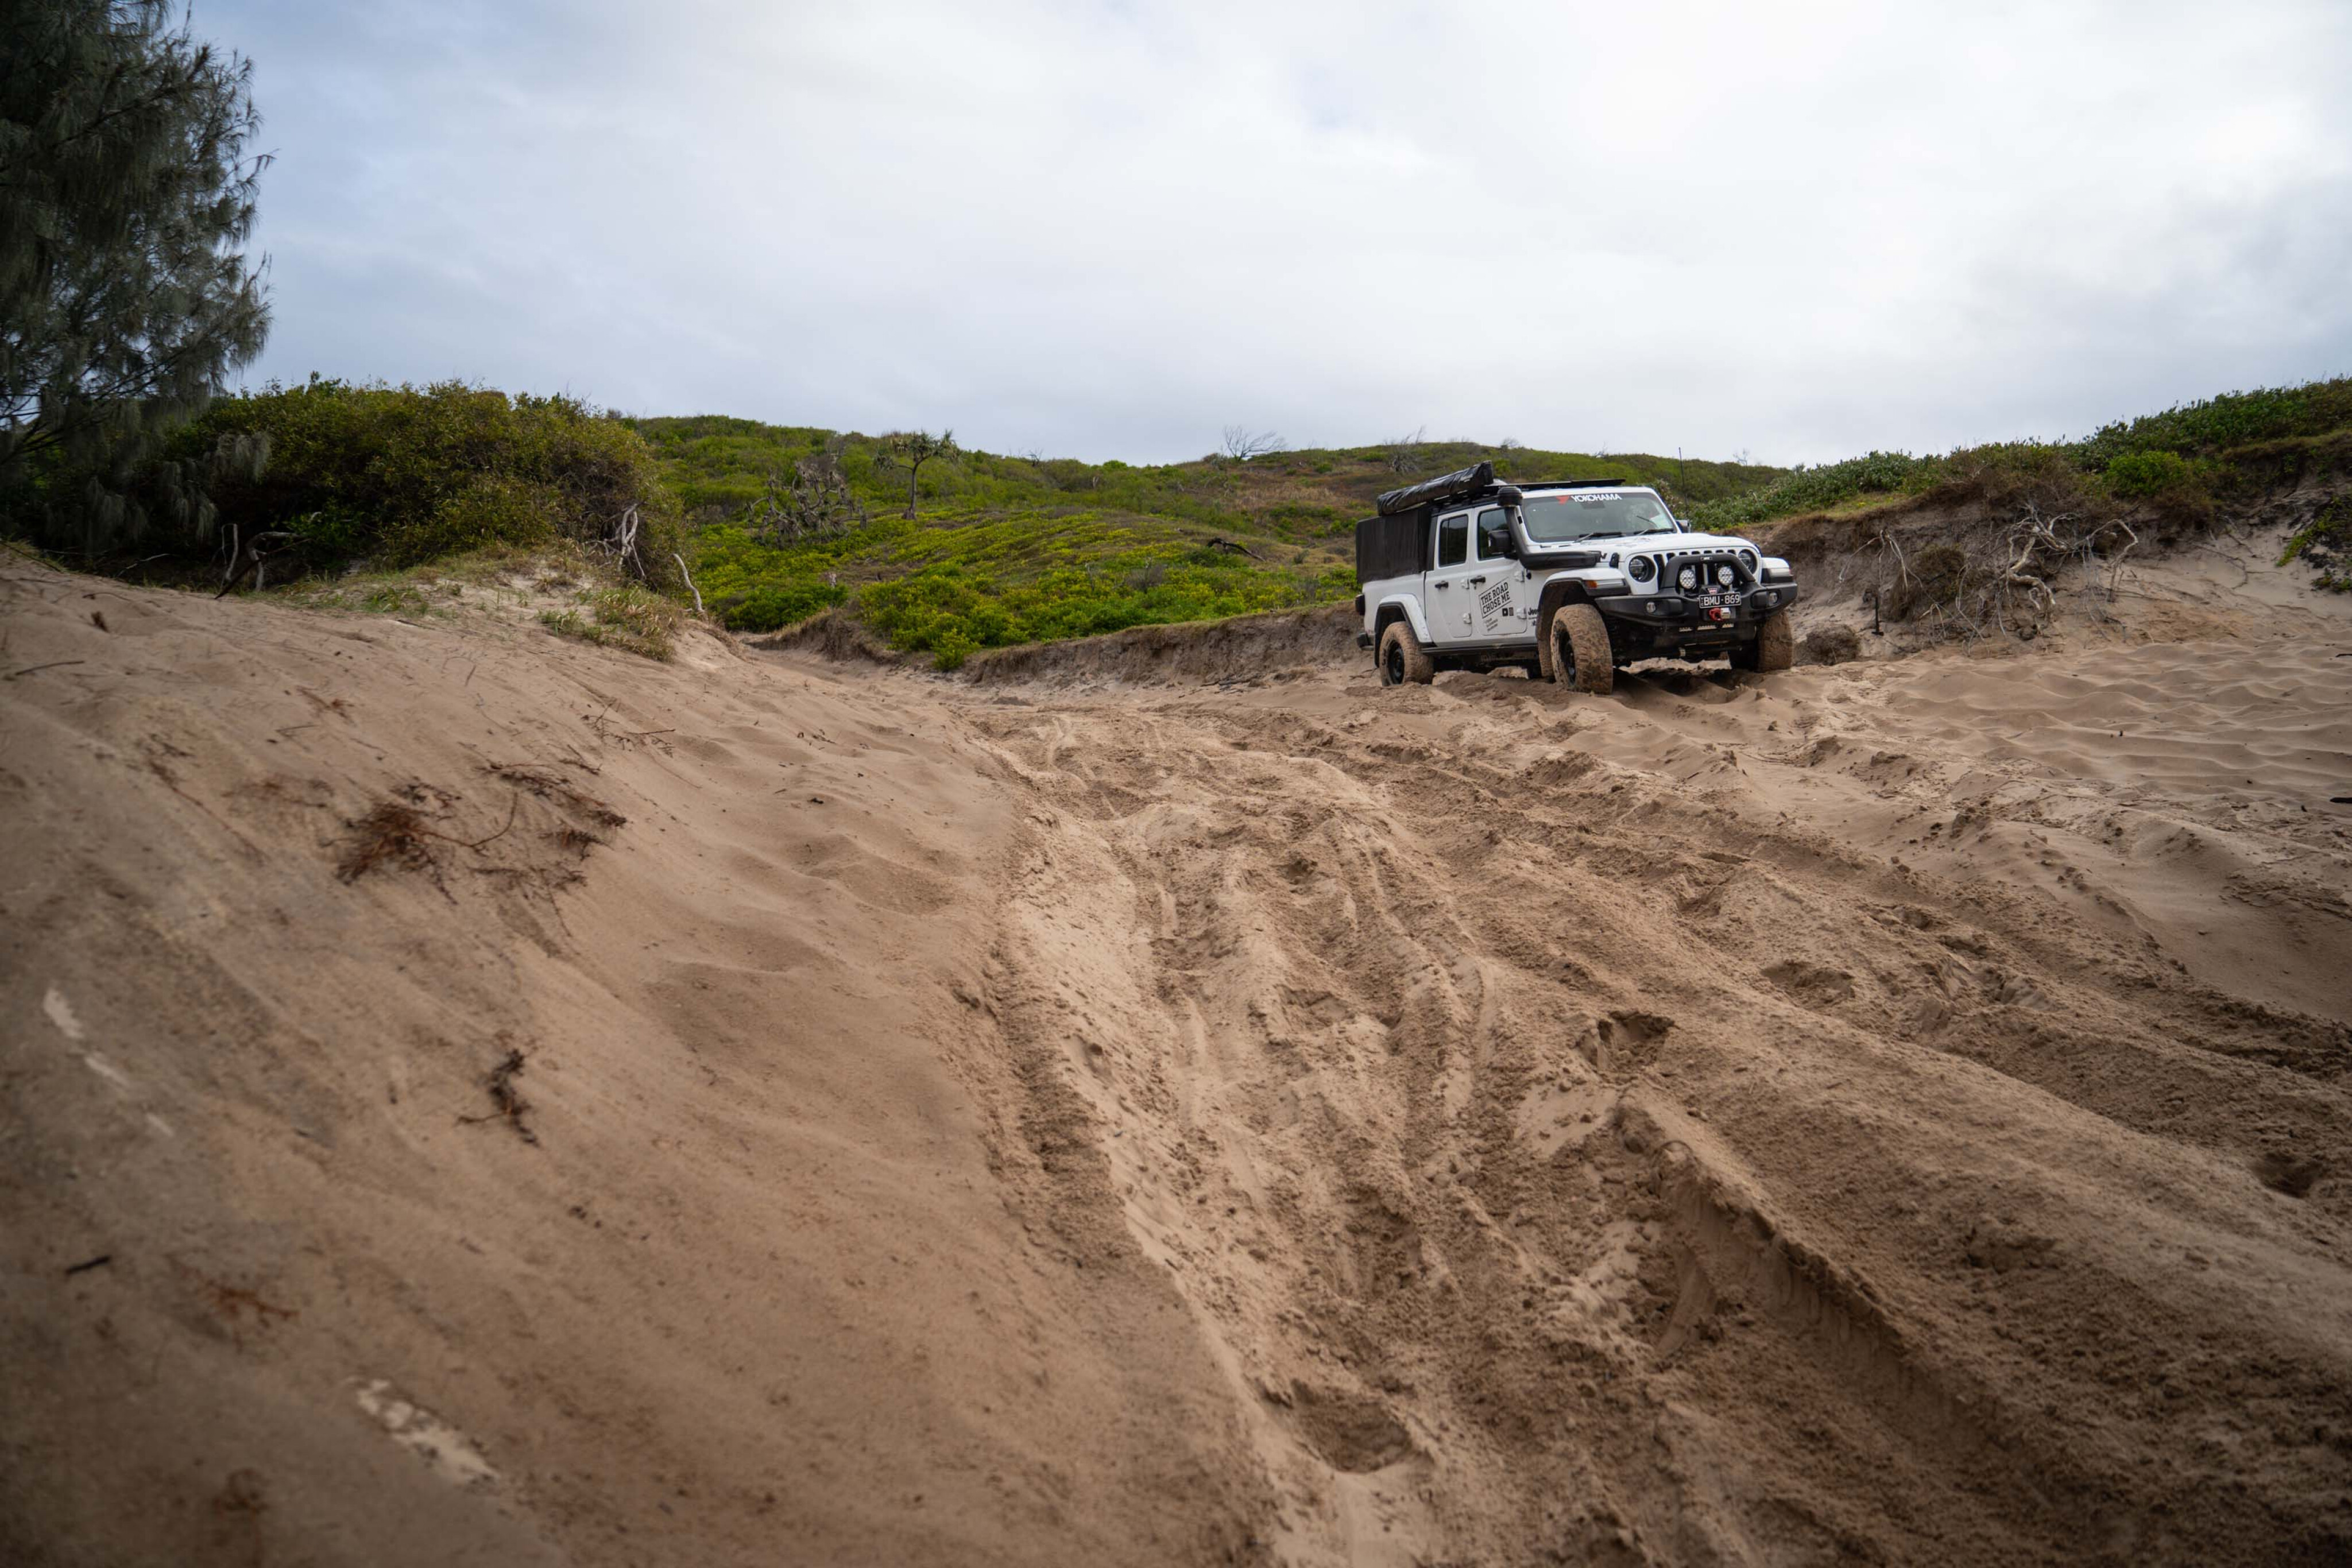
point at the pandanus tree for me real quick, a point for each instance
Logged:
(916, 447)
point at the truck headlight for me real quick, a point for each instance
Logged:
(1642, 568)
(1747, 559)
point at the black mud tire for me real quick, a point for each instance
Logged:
(1580, 647)
(1775, 647)
(1402, 660)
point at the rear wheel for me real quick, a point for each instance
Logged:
(1403, 661)
(1775, 647)
(1580, 649)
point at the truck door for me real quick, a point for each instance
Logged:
(1500, 596)
(1450, 602)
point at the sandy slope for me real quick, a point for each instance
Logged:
(1892, 1112)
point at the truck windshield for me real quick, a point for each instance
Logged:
(1594, 514)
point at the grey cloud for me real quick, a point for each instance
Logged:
(1804, 231)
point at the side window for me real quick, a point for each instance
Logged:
(1452, 540)
(1494, 535)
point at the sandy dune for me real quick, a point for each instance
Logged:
(758, 1111)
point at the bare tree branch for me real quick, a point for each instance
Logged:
(1242, 442)
(1404, 452)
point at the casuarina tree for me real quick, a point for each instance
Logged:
(126, 298)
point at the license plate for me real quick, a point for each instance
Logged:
(1709, 600)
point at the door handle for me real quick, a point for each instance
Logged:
(1476, 581)
(1441, 585)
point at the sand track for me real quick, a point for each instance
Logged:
(1896, 1112)
(1621, 1161)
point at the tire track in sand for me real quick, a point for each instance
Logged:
(1559, 1161)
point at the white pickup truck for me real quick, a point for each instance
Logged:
(1573, 579)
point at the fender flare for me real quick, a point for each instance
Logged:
(1409, 603)
(1558, 590)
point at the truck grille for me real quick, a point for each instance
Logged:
(1671, 562)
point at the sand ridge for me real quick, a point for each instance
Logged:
(1879, 1113)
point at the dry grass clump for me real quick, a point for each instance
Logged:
(630, 618)
(438, 587)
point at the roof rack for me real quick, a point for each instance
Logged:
(1578, 484)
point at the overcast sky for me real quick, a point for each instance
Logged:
(1801, 229)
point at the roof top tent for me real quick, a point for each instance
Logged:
(1462, 482)
(1396, 543)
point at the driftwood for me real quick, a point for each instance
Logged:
(623, 542)
(251, 558)
(690, 580)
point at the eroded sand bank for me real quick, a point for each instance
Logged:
(1888, 1113)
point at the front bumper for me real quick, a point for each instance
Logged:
(1673, 619)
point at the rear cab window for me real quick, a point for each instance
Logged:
(1453, 540)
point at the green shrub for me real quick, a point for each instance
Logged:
(774, 606)
(2327, 542)
(2233, 419)
(1816, 490)
(403, 475)
(1294, 517)
(952, 649)
(949, 614)
(493, 509)
(2137, 474)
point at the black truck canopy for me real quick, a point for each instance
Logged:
(1396, 544)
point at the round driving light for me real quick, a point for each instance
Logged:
(1768, 599)
(1642, 568)
(1723, 574)
(1688, 578)
(1747, 559)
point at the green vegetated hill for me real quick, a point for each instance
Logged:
(785, 521)
(2185, 465)
(348, 485)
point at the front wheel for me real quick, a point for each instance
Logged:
(1580, 647)
(1775, 647)
(1403, 661)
